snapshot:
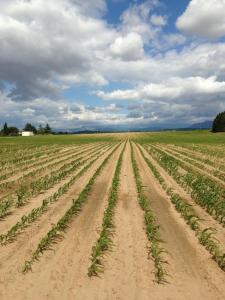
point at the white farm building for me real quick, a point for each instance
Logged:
(27, 133)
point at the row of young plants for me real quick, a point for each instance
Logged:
(24, 193)
(56, 232)
(151, 227)
(24, 178)
(25, 165)
(206, 192)
(104, 241)
(11, 160)
(206, 160)
(206, 236)
(213, 151)
(215, 172)
(35, 213)
(25, 154)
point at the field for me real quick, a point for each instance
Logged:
(113, 216)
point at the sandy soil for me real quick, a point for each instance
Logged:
(128, 273)
(13, 256)
(219, 162)
(207, 172)
(193, 274)
(207, 220)
(53, 166)
(16, 213)
(59, 159)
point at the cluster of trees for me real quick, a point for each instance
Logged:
(219, 123)
(13, 131)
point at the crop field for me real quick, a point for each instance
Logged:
(113, 216)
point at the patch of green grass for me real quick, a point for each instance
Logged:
(181, 137)
(58, 139)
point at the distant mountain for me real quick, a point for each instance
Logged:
(203, 125)
(125, 128)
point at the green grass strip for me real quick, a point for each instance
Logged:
(205, 236)
(104, 241)
(151, 227)
(55, 233)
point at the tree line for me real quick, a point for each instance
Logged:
(219, 123)
(14, 131)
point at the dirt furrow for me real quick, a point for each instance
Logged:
(193, 274)
(58, 272)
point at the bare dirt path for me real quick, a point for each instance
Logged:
(13, 256)
(193, 274)
(207, 220)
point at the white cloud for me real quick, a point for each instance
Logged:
(129, 47)
(174, 88)
(139, 18)
(45, 42)
(49, 46)
(158, 20)
(204, 18)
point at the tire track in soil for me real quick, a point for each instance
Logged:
(193, 274)
(13, 284)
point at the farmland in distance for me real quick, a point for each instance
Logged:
(113, 216)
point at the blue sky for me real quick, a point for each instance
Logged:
(111, 64)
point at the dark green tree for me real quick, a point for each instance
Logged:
(40, 129)
(13, 131)
(5, 130)
(219, 123)
(47, 129)
(30, 127)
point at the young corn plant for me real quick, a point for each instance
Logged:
(28, 219)
(56, 232)
(104, 241)
(151, 226)
(205, 236)
(209, 194)
(24, 192)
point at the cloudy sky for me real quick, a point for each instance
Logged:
(111, 63)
